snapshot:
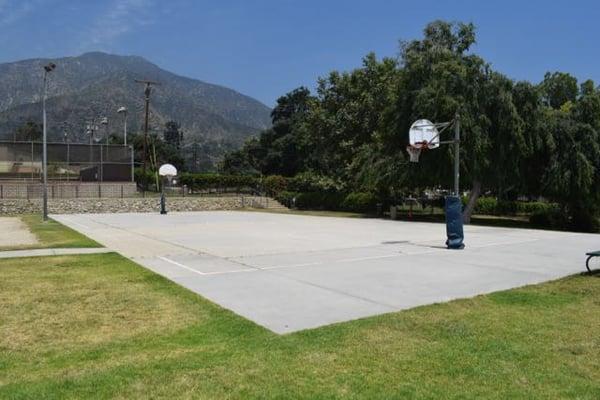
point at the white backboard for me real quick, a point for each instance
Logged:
(421, 131)
(167, 170)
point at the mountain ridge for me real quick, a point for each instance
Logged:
(96, 84)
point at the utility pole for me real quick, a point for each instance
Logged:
(147, 92)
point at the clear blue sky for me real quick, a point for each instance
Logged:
(264, 48)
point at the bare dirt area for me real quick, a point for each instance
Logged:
(13, 232)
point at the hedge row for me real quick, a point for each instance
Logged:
(217, 181)
(492, 206)
(320, 193)
(272, 185)
(333, 201)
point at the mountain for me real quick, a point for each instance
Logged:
(96, 84)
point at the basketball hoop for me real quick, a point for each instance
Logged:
(414, 150)
(168, 172)
(424, 134)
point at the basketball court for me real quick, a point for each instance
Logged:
(290, 272)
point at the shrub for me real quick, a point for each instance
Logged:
(492, 206)
(286, 198)
(549, 219)
(320, 200)
(583, 220)
(144, 180)
(360, 202)
(486, 205)
(533, 207)
(506, 207)
(311, 182)
(275, 184)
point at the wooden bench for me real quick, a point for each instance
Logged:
(591, 255)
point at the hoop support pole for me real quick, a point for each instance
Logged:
(456, 154)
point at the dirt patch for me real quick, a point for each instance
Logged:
(13, 232)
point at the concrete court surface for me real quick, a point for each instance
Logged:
(13, 232)
(289, 272)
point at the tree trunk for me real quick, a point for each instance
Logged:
(473, 196)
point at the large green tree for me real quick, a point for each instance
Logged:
(29, 131)
(516, 138)
(559, 88)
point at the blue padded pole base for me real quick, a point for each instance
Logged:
(454, 223)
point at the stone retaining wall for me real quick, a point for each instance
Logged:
(148, 204)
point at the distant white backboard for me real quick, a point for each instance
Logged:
(167, 170)
(421, 131)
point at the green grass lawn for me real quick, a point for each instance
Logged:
(51, 234)
(99, 326)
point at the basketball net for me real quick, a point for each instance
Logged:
(414, 150)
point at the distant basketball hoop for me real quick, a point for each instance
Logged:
(425, 135)
(168, 172)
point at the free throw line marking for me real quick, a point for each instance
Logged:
(181, 265)
(203, 273)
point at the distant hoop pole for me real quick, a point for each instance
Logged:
(456, 153)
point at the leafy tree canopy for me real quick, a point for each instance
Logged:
(518, 138)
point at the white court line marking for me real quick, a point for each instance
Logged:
(323, 262)
(204, 273)
(292, 266)
(181, 265)
(368, 258)
(76, 223)
(233, 271)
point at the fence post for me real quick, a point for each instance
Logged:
(99, 191)
(101, 165)
(1, 191)
(121, 191)
(77, 191)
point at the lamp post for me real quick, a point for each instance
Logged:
(47, 69)
(123, 110)
(103, 121)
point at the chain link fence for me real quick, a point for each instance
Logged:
(22, 161)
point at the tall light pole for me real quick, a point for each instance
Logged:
(123, 110)
(104, 121)
(47, 69)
